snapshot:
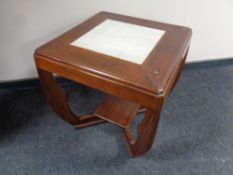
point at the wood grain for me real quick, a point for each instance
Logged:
(57, 99)
(131, 87)
(118, 111)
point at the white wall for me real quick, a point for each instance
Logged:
(26, 24)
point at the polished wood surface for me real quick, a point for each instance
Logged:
(131, 87)
(146, 131)
(149, 78)
(57, 99)
(118, 111)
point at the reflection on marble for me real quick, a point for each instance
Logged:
(122, 40)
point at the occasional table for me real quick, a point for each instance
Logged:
(135, 61)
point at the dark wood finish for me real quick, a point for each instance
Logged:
(146, 131)
(132, 87)
(122, 112)
(88, 120)
(118, 111)
(57, 99)
(91, 80)
(108, 74)
(179, 70)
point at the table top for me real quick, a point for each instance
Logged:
(137, 52)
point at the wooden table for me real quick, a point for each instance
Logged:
(136, 61)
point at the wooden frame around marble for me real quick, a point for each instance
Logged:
(130, 86)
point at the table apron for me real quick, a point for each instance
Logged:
(118, 89)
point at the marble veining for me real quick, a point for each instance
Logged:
(121, 40)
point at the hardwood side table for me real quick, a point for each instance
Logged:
(136, 61)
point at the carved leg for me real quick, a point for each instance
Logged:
(57, 99)
(180, 70)
(146, 131)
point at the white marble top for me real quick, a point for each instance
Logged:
(122, 40)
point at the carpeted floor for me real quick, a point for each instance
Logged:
(195, 134)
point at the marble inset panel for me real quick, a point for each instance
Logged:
(121, 40)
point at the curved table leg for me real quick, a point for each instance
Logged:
(57, 99)
(180, 69)
(146, 131)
